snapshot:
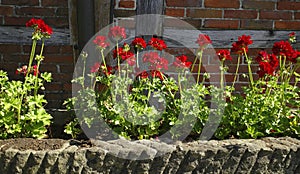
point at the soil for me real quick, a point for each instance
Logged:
(30, 143)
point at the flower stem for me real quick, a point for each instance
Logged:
(118, 57)
(236, 71)
(249, 68)
(199, 66)
(34, 41)
(222, 74)
(137, 58)
(37, 69)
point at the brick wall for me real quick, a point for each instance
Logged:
(227, 14)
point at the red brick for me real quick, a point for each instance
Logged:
(62, 12)
(288, 5)
(66, 49)
(175, 12)
(127, 4)
(222, 3)
(62, 77)
(10, 48)
(258, 4)
(66, 68)
(204, 13)
(55, 3)
(58, 59)
(48, 49)
(20, 2)
(48, 68)
(197, 23)
(16, 21)
(287, 25)
(35, 11)
(59, 22)
(221, 24)
(182, 24)
(181, 3)
(297, 15)
(240, 14)
(6, 10)
(275, 15)
(53, 86)
(256, 24)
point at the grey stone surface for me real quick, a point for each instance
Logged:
(267, 155)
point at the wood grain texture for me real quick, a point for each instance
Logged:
(149, 24)
(174, 37)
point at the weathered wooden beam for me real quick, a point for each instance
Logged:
(174, 37)
(22, 35)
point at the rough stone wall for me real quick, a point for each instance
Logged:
(268, 155)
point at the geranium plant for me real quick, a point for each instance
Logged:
(124, 91)
(22, 112)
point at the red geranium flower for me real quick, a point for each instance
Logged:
(139, 43)
(101, 42)
(203, 40)
(181, 62)
(265, 68)
(224, 55)
(157, 44)
(282, 48)
(156, 74)
(155, 61)
(143, 75)
(117, 32)
(24, 70)
(95, 67)
(124, 53)
(292, 37)
(39, 25)
(242, 44)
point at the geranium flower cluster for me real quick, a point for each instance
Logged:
(241, 46)
(124, 53)
(24, 70)
(39, 26)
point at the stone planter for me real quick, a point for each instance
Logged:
(267, 155)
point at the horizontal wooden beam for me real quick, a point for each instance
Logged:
(22, 35)
(174, 37)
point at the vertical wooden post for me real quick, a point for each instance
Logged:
(151, 23)
(102, 14)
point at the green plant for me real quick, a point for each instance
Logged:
(123, 95)
(22, 112)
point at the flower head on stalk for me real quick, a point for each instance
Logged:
(101, 42)
(157, 44)
(40, 28)
(139, 43)
(117, 33)
(24, 70)
(123, 52)
(203, 40)
(292, 37)
(224, 55)
(268, 63)
(242, 44)
(155, 61)
(181, 62)
(285, 49)
(95, 67)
